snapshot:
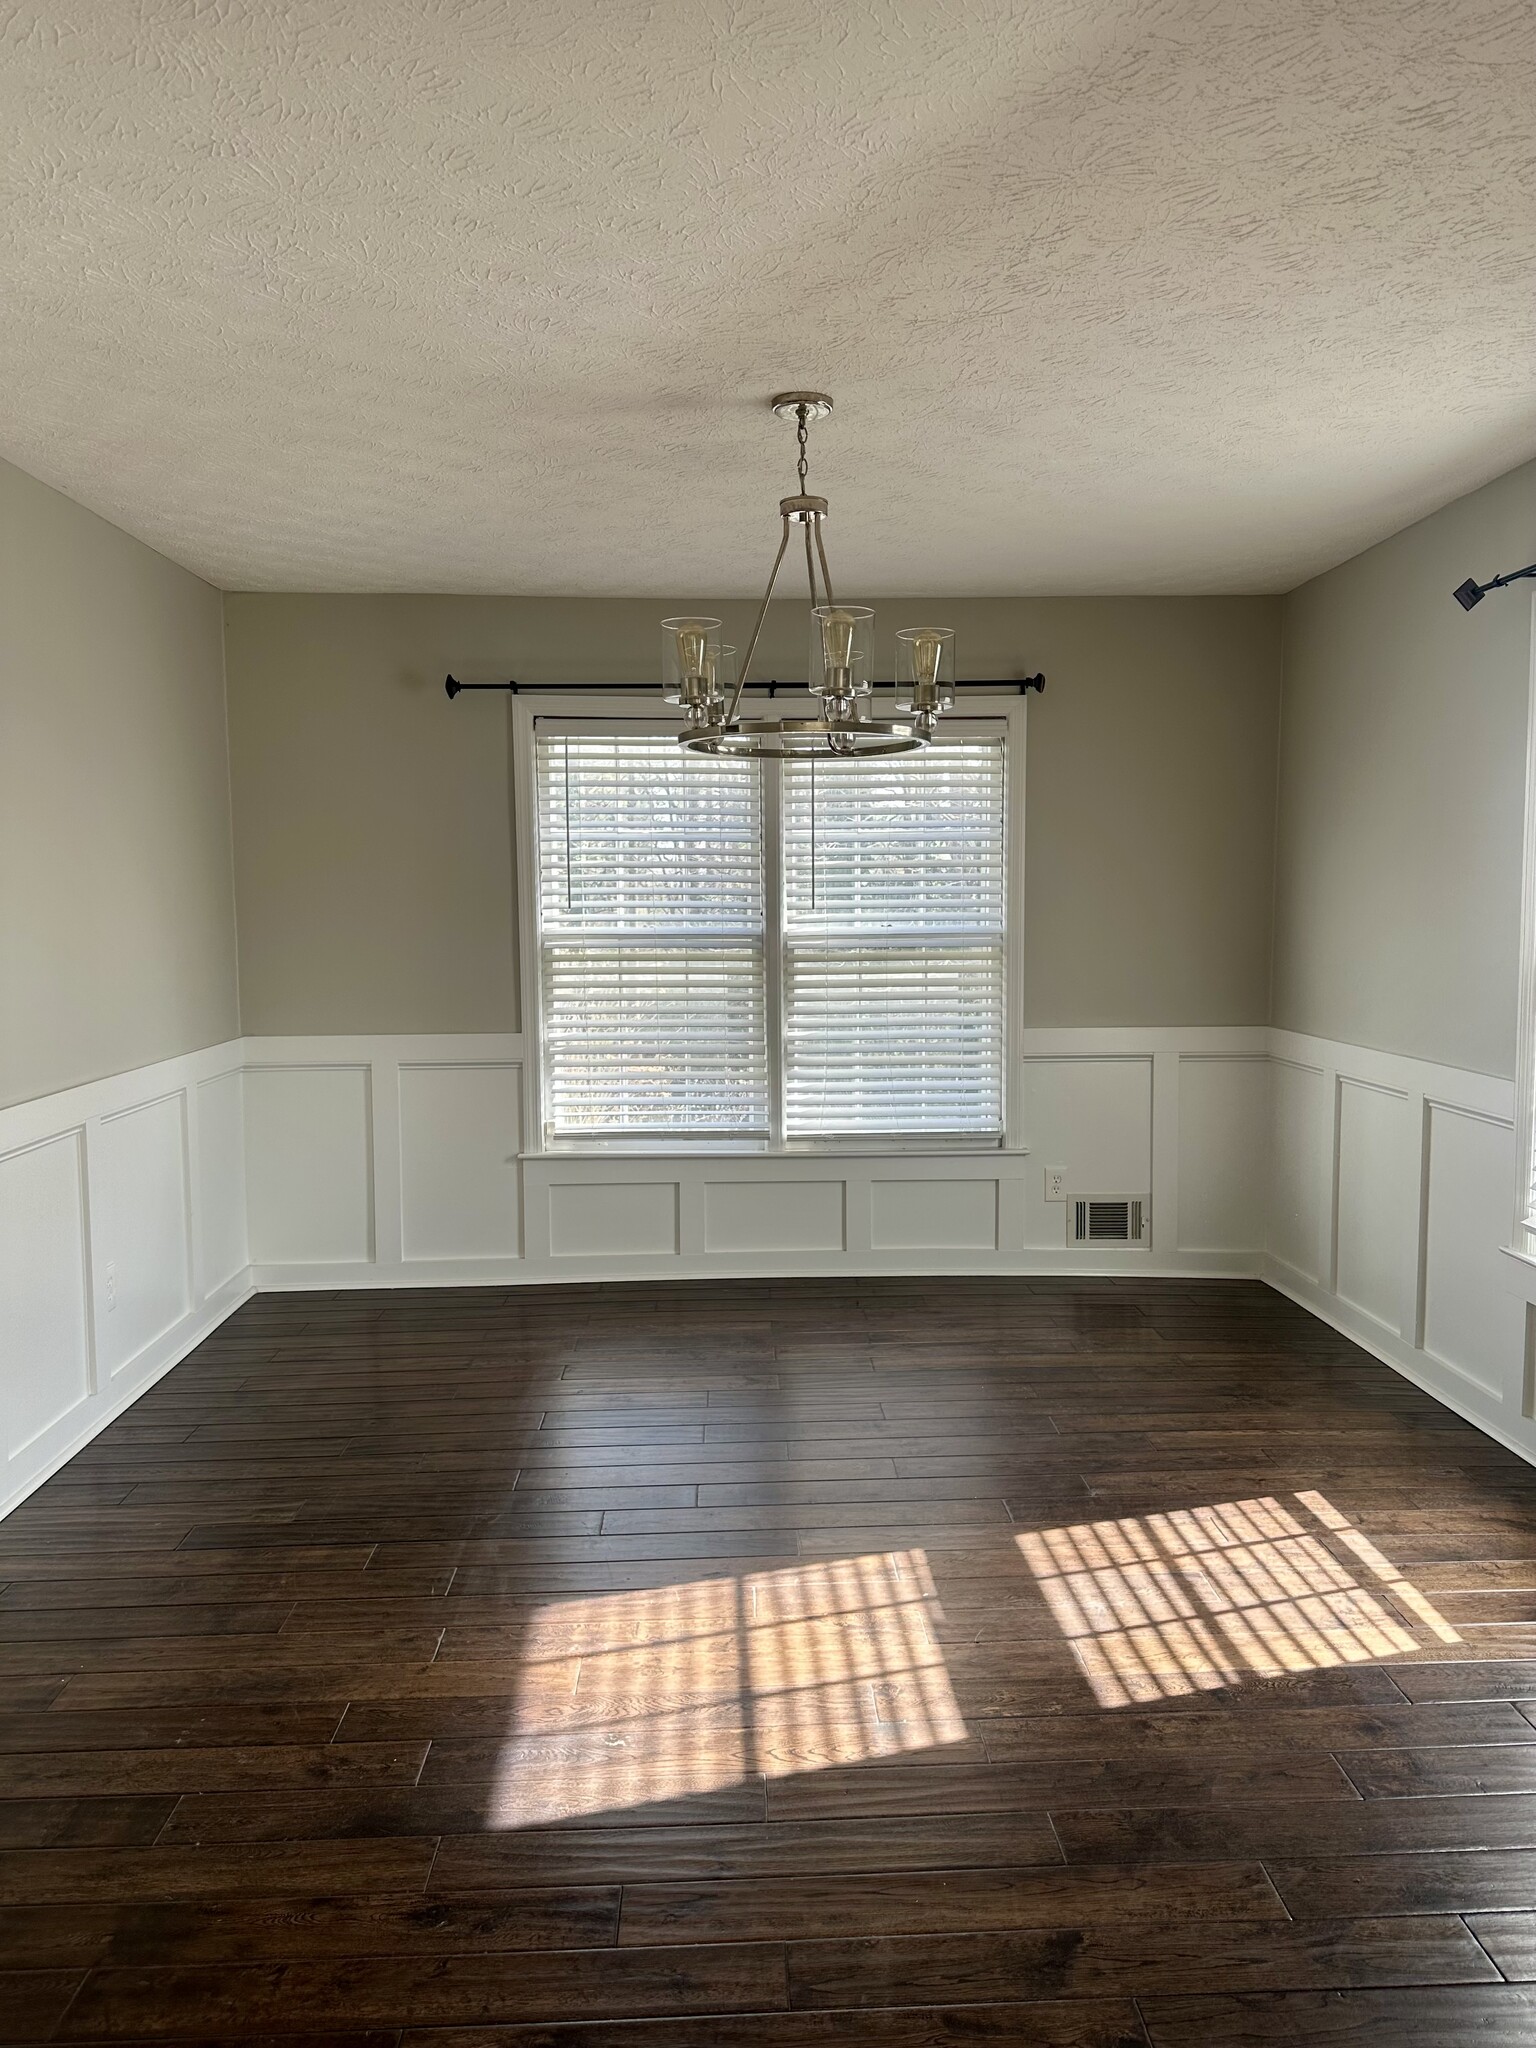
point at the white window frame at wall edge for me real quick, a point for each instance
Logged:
(592, 705)
(1523, 1237)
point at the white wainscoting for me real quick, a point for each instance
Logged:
(137, 1212)
(122, 1244)
(1391, 1201)
(1374, 1189)
(402, 1162)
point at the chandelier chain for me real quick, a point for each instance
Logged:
(803, 437)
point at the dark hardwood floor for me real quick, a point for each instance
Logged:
(1066, 1663)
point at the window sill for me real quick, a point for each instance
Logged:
(899, 1148)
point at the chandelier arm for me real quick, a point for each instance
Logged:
(826, 574)
(757, 630)
(810, 564)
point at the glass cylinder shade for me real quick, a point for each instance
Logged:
(840, 669)
(724, 677)
(691, 671)
(925, 670)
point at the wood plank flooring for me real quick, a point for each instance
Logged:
(1045, 1664)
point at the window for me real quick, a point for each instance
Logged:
(756, 951)
(893, 944)
(652, 929)
(1523, 1236)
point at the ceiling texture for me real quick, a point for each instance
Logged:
(489, 295)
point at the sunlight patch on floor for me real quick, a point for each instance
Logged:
(677, 1690)
(1157, 1606)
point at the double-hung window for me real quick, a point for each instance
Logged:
(798, 952)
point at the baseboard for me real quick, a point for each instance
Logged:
(1429, 1375)
(126, 1386)
(354, 1276)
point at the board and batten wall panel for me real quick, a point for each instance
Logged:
(774, 1215)
(44, 1299)
(1473, 1323)
(309, 1164)
(1401, 1173)
(1092, 1117)
(220, 1179)
(122, 1245)
(460, 1136)
(933, 1215)
(141, 1227)
(1224, 1141)
(425, 1129)
(1377, 1175)
(144, 1172)
(619, 1219)
(1296, 1154)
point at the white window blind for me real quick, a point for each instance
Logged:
(651, 916)
(894, 953)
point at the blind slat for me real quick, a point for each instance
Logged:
(894, 960)
(651, 912)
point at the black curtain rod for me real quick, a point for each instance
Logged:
(453, 686)
(1472, 592)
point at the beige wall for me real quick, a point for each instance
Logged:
(117, 941)
(1402, 789)
(373, 830)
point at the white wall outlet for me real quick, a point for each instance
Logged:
(109, 1282)
(1055, 1183)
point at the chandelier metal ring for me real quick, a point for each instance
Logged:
(792, 739)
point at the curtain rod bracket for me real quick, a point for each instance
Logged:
(1472, 592)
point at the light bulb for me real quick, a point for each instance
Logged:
(837, 639)
(840, 651)
(690, 652)
(927, 653)
(925, 673)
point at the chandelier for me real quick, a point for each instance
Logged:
(700, 675)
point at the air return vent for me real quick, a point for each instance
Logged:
(1109, 1219)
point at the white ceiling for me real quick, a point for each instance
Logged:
(1114, 295)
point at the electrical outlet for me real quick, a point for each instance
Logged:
(1055, 1183)
(109, 1282)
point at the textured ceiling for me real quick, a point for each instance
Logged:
(1114, 295)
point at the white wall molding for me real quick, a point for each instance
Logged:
(122, 1244)
(1370, 1186)
(1400, 1172)
(1485, 1092)
(137, 1212)
(449, 1194)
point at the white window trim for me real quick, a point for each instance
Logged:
(1523, 1227)
(594, 704)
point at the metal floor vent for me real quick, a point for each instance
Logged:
(1109, 1219)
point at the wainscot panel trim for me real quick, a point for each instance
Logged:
(1432, 1209)
(1398, 1175)
(138, 1253)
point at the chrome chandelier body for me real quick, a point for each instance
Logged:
(700, 676)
